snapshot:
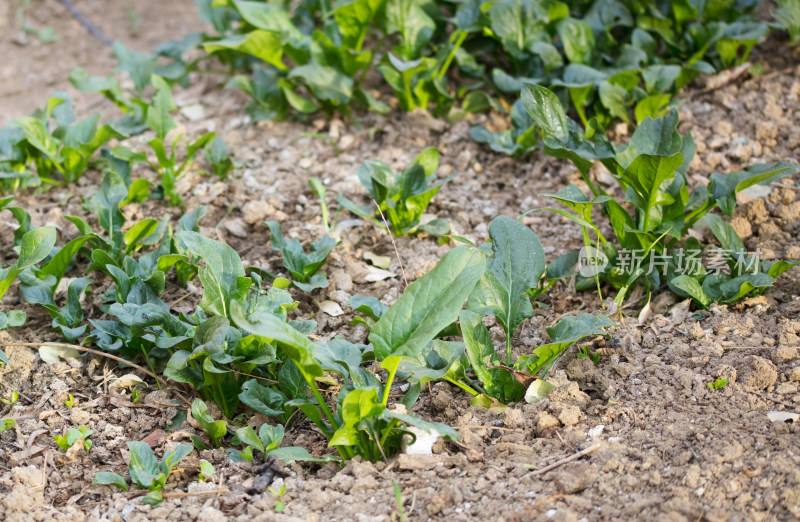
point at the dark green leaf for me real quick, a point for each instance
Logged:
(516, 265)
(428, 305)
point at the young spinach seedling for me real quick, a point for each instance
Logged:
(73, 435)
(402, 198)
(303, 266)
(717, 384)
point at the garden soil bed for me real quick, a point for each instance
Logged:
(665, 446)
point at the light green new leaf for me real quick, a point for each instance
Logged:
(214, 429)
(265, 45)
(171, 458)
(249, 437)
(36, 134)
(7, 424)
(358, 404)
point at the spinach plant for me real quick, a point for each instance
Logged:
(303, 267)
(53, 141)
(35, 244)
(138, 279)
(166, 162)
(514, 267)
(653, 237)
(216, 153)
(361, 422)
(401, 198)
(214, 355)
(268, 442)
(515, 271)
(788, 15)
(74, 436)
(608, 59)
(7, 424)
(145, 470)
(329, 63)
(214, 429)
(508, 383)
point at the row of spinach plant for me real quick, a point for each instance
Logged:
(608, 59)
(240, 346)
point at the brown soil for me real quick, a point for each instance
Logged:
(669, 447)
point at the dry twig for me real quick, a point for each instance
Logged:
(89, 350)
(574, 456)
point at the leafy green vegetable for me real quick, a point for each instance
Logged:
(362, 424)
(223, 276)
(214, 429)
(371, 307)
(428, 305)
(497, 382)
(569, 330)
(788, 14)
(147, 472)
(402, 198)
(515, 266)
(268, 442)
(7, 424)
(652, 172)
(73, 436)
(108, 478)
(61, 148)
(303, 267)
(36, 245)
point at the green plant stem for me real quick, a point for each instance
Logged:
(588, 244)
(388, 431)
(475, 386)
(508, 347)
(323, 7)
(388, 387)
(646, 221)
(344, 452)
(585, 176)
(323, 406)
(462, 386)
(150, 364)
(446, 65)
(410, 104)
(375, 54)
(695, 216)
